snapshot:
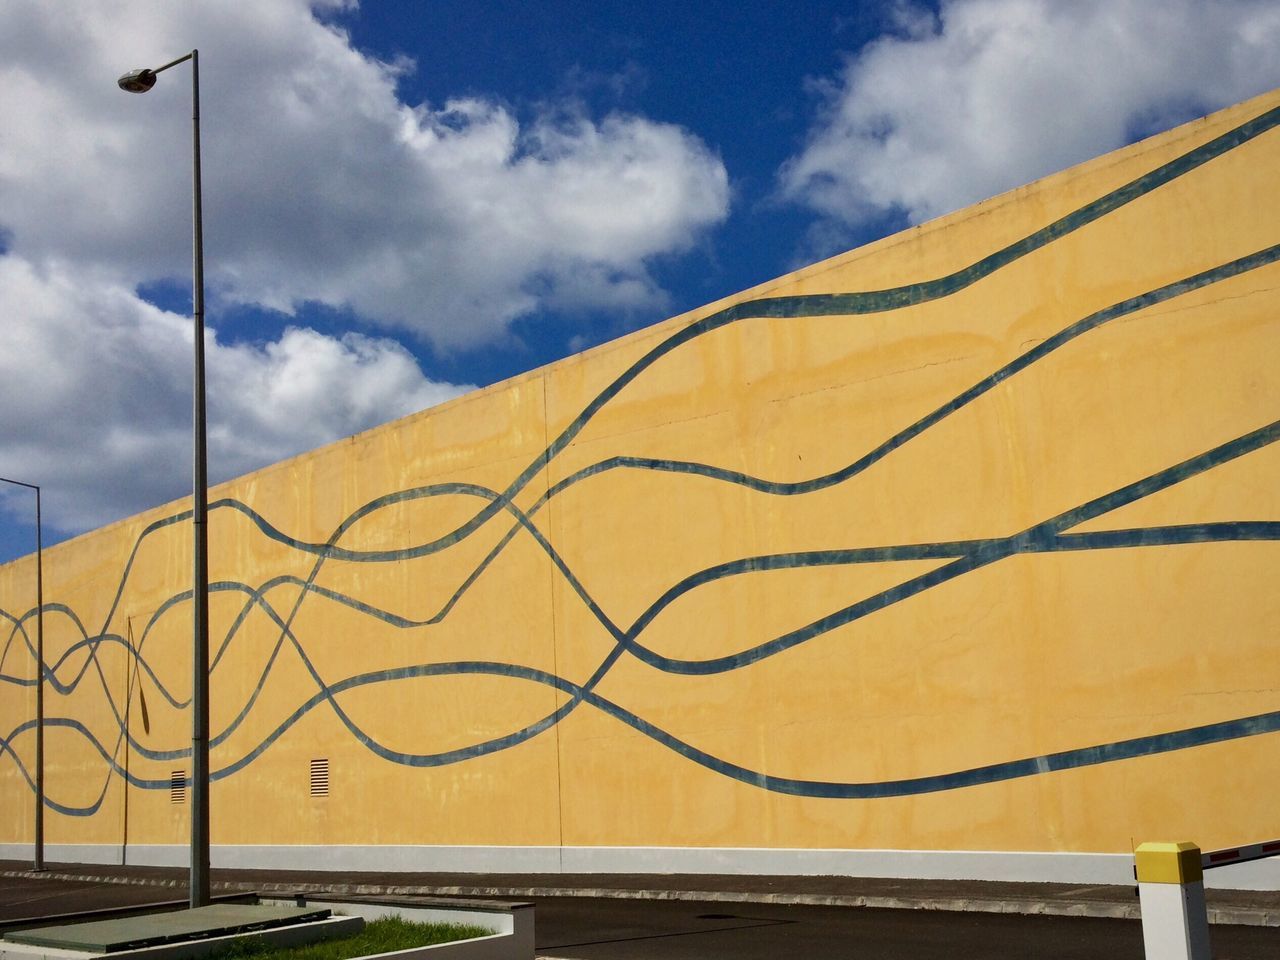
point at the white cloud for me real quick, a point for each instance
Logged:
(990, 94)
(320, 184)
(445, 222)
(95, 385)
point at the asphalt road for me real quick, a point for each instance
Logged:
(588, 929)
(23, 898)
(683, 930)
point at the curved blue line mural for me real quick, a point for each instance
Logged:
(80, 663)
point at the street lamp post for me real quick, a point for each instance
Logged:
(140, 81)
(38, 846)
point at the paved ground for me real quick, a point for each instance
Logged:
(685, 930)
(22, 898)
(1225, 906)
(662, 918)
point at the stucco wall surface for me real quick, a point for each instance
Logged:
(961, 541)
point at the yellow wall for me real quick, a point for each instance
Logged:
(1051, 657)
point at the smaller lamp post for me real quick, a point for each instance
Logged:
(38, 856)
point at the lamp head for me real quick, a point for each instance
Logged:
(138, 81)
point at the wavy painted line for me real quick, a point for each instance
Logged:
(874, 456)
(1044, 537)
(877, 301)
(87, 643)
(6, 747)
(1133, 748)
(19, 627)
(1036, 538)
(1194, 533)
(1178, 534)
(1092, 322)
(1233, 268)
(174, 754)
(1047, 536)
(1217, 532)
(991, 773)
(817, 305)
(827, 304)
(1039, 538)
(986, 553)
(502, 501)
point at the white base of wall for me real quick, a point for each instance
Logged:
(1113, 868)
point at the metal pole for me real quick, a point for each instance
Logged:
(38, 845)
(140, 81)
(200, 560)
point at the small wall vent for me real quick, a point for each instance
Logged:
(178, 786)
(320, 777)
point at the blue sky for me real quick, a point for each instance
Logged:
(407, 200)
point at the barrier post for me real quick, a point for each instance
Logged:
(1175, 924)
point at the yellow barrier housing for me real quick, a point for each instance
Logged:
(1168, 863)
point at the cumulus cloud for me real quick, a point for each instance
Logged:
(442, 222)
(448, 221)
(95, 385)
(984, 95)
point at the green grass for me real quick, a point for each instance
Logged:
(378, 936)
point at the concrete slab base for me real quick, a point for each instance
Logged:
(179, 935)
(152, 929)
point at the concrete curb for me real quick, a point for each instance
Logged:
(1231, 915)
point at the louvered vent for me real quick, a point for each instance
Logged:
(320, 777)
(178, 786)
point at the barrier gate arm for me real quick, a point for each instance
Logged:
(1243, 854)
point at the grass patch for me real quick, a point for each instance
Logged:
(378, 936)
